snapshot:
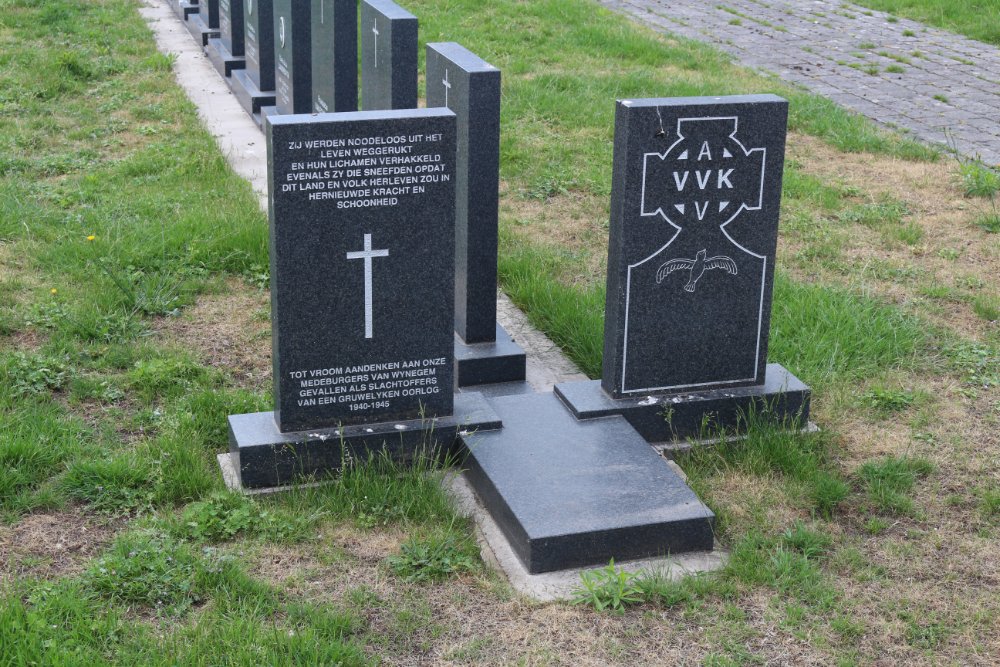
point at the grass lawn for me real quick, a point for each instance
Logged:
(134, 318)
(978, 19)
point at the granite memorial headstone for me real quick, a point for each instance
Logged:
(203, 24)
(362, 218)
(465, 83)
(694, 226)
(226, 50)
(254, 85)
(388, 56)
(292, 55)
(334, 55)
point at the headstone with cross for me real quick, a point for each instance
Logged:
(694, 228)
(292, 57)
(388, 56)
(334, 55)
(226, 50)
(468, 85)
(362, 213)
(254, 85)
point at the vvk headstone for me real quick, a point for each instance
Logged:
(694, 225)
(362, 268)
(226, 50)
(388, 56)
(254, 85)
(465, 83)
(334, 55)
(203, 24)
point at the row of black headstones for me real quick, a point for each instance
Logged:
(363, 209)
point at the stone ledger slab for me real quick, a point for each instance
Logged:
(226, 51)
(266, 457)
(570, 493)
(781, 399)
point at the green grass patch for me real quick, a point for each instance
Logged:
(978, 19)
(435, 556)
(889, 481)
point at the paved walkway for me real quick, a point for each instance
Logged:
(943, 87)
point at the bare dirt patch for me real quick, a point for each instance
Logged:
(228, 330)
(50, 545)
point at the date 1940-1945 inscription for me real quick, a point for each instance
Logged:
(368, 386)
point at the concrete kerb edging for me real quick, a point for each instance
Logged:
(244, 148)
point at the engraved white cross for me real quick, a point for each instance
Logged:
(447, 87)
(367, 254)
(322, 11)
(375, 30)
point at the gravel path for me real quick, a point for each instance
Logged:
(942, 87)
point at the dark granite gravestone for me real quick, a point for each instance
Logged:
(292, 58)
(184, 8)
(388, 56)
(334, 55)
(254, 85)
(203, 24)
(694, 227)
(226, 50)
(465, 83)
(362, 215)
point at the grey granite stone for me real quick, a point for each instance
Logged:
(334, 55)
(203, 23)
(362, 213)
(569, 493)
(266, 457)
(388, 56)
(782, 399)
(292, 57)
(226, 50)
(254, 85)
(694, 224)
(498, 360)
(469, 86)
(184, 8)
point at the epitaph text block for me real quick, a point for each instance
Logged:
(465, 83)
(694, 227)
(334, 55)
(362, 213)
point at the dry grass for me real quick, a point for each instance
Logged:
(51, 545)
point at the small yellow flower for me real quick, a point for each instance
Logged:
(53, 291)
(91, 237)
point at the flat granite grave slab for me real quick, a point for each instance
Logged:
(782, 399)
(571, 493)
(266, 457)
(184, 8)
(203, 24)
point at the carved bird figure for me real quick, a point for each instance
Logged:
(697, 267)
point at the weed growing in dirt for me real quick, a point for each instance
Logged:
(887, 401)
(978, 180)
(436, 556)
(224, 516)
(609, 588)
(888, 482)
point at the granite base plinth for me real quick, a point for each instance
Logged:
(222, 58)
(199, 29)
(266, 457)
(782, 399)
(184, 9)
(250, 97)
(569, 493)
(501, 360)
